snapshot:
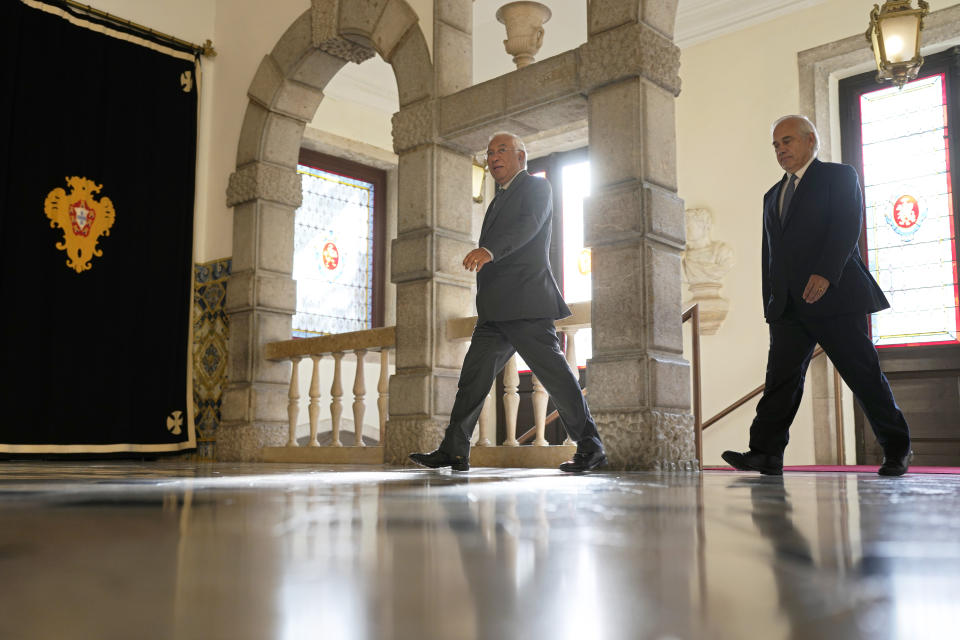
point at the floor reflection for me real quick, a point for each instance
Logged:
(283, 551)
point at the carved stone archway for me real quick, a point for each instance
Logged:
(265, 191)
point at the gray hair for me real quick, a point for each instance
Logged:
(516, 139)
(805, 125)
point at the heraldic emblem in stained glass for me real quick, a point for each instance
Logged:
(906, 217)
(331, 256)
(81, 218)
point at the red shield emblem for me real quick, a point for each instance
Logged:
(331, 256)
(82, 216)
(906, 212)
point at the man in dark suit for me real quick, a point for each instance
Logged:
(517, 302)
(816, 289)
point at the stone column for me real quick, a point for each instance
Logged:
(433, 235)
(452, 45)
(434, 232)
(261, 300)
(639, 382)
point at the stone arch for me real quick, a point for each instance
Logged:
(264, 190)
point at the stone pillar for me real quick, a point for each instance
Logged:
(261, 300)
(821, 385)
(434, 232)
(452, 45)
(639, 382)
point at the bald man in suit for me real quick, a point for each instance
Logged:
(517, 303)
(816, 289)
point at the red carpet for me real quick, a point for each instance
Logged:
(852, 468)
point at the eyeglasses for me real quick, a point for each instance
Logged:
(499, 152)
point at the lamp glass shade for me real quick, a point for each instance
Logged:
(899, 34)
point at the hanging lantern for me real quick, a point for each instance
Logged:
(894, 34)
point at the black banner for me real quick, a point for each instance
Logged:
(97, 161)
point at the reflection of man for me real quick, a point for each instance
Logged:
(814, 595)
(816, 289)
(517, 302)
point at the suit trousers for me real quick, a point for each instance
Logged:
(492, 345)
(846, 341)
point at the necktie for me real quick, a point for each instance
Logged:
(788, 195)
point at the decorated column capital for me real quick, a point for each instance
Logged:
(415, 125)
(262, 181)
(633, 50)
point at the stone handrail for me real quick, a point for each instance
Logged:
(460, 329)
(369, 340)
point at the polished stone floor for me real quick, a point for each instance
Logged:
(175, 550)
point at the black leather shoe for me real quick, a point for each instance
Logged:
(754, 461)
(584, 462)
(895, 465)
(438, 458)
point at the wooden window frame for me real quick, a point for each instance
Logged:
(378, 178)
(553, 165)
(903, 363)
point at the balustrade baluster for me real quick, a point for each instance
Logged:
(488, 420)
(359, 407)
(511, 401)
(539, 411)
(383, 389)
(336, 406)
(293, 406)
(314, 408)
(571, 345)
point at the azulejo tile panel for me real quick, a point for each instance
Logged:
(211, 331)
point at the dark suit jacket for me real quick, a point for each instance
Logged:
(518, 283)
(819, 234)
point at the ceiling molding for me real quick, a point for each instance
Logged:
(702, 20)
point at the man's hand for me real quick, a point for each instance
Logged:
(475, 260)
(816, 287)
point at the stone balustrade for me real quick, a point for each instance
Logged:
(485, 452)
(358, 343)
(510, 453)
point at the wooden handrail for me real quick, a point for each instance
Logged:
(692, 313)
(747, 398)
(532, 431)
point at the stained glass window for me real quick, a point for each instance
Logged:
(333, 254)
(910, 226)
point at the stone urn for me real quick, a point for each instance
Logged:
(524, 22)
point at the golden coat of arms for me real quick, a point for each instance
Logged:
(81, 218)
